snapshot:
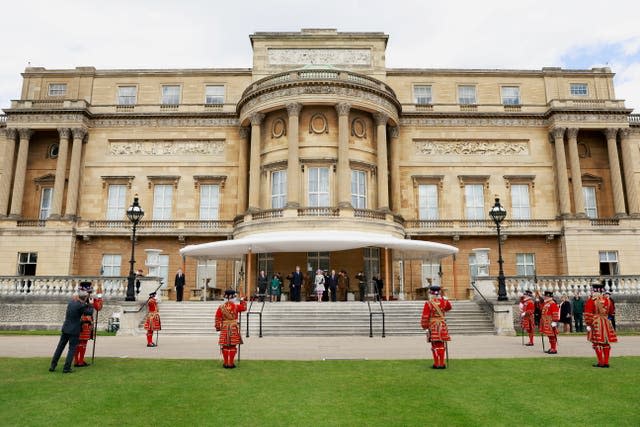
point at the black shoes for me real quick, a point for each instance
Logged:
(152, 345)
(67, 371)
(52, 369)
(551, 352)
(597, 365)
(82, 365)
(529, 344)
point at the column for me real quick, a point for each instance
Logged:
(20, 174)
(293, 159)
(394, 133)
(254, 163)
(344, 171)
(561, 172)
(243, 171)
(383, 172)
(61, 169)
(576, 174)
(627, 163)
(7, 170)
(614, 167)
(74, 172)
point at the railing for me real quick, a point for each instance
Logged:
(369, 214)
(624, 285)
(634, 119)
(586, 103)
(605, 221)
(372, 313)
(476, 223)
(267, 214)
(31, 223)
(59, 286)
(319, 211)
(162, 224)
(3, 120)
(486, 302)
(259, 313)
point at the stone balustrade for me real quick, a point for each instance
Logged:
(621, 285)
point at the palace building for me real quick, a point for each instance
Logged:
(320, 135)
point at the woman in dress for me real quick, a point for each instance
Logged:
(319, 282)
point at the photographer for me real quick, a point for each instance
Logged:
(70, 330)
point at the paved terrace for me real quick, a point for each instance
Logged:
(317, 348)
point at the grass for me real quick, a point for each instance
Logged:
(48, 332)
(493, 392)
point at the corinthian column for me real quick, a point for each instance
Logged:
(21, 173)
(7, 169)
(74, 172)
(561, 172)
(576, 174)
(61, 169)
(344, 172)
(629, 180)
(243, 170)
(383, 171)
(616, 177)
(293, 159)
(254, 163)
(394, 133)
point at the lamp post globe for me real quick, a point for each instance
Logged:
(498, 214)
(134, 214)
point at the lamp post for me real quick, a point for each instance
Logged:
(135, 214)
(498, 213)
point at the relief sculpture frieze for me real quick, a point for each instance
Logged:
(472, 147)
(211, 147)
(319, 56)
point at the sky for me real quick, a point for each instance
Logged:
(486, 34)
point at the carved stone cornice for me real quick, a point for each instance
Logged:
(294, 108)
(164, 122)
(244, 132)
(394, 132)
(611, 133)
(64, 133)
(621, 118)
(558, 133)
(256, 119)
(572, 133)
(472, 121)
(381, 119)
(25, 133)
(79, 133)
(343, 108)
(70, 119)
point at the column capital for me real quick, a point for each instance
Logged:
(572, 133)
(624, 133)
(256, 119)
(394, 131)
(244, 132)
(294, 108)
(25, 133)
(79, 133)
(11, 133)
(343, 108)
(611, 133)
(64, 133)
(381, 118)
(557, 133)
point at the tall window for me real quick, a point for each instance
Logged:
(206, 273)
(115, 202)
(111, 267)
(590, 203)
(57, 89)
(162, 200)
(27, 262)
(467, 95)
(430, 274)
(474, 201)
(359, 189)
(520, 208)
(473, 267)
(278, 189)
(579, 89)
(171, 94)
(265, 263)
(525, 264)
(422, 94)
(318, 187)
(317, 260)
(163, 269)
(510, 95)
(209, 201)
(214, 94)
(428, 201)
(608, 263)
(45, 203)
(127, 95)
(371, 265)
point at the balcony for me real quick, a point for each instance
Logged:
(569, 285)
(481, 227)
(587, 104)
(156, 228)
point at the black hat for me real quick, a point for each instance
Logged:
(229, 293)
(434, 290)
(152, 294)
(548, 293)
(528, 293)
(85, 286)
(597, 287)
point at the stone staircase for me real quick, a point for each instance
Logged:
(323, 319)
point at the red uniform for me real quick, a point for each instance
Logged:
(227, 325)
(527, 317)
(152, 321)
(433, 315)
(599, 328)
(548, 323)
(86, 331)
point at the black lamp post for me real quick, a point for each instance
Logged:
(135, 214)
(498, 213)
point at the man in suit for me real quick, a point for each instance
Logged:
(362, 284)
(179, 284)
(70, 331)
(296, 284)
(332, 284)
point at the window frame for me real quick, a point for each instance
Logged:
(575, 85)
(163, 211)
(428, 212)
(116, 212)
(466, 100)
(525, 264)
(417, 98)
(520, 211)
(279, 189)
(58, 93)
(163, 96)
(222, 96)
(120, 97)
(359, 181)
(587, 207)
(318, 192)
(46, 193)
(505, 98)
(210, 211)
(24, 264)
(472, 212)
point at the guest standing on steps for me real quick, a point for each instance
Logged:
(179, 285)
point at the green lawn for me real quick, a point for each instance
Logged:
(47, 332)
(133, 392)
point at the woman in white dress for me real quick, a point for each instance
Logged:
(319, 282)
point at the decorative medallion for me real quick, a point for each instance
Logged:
(279, 128)
(52, 151)
(318, 124)
(583, 150)
(358, 128)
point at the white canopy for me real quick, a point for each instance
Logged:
(318, 241)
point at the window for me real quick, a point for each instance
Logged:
(474, 201)
(473, 267)
(520, 208)
(162, 200)
(318, 187)
(608, 263)
(115, 202)
(467, 95)
(359, 189)
(278, 189)
(265, 263)
(57, 89)
(206, 273)
(430, 274)
(45, 203)
(111, 267)
(27, 262)
(163, 269)
(315, 261)
(127, 95)
(422, 94)
(579, 89)
(525, 264)
(428, 201)
(510, 95)
(590, 205)
(214, 94)
(209, 201)
(371, 266)
(171, 95)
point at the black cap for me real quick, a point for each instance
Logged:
(229, 293)
(152, 294)
(528, 293)
(548, 293)
(597, 287)
(434, 290)
(85, 285)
